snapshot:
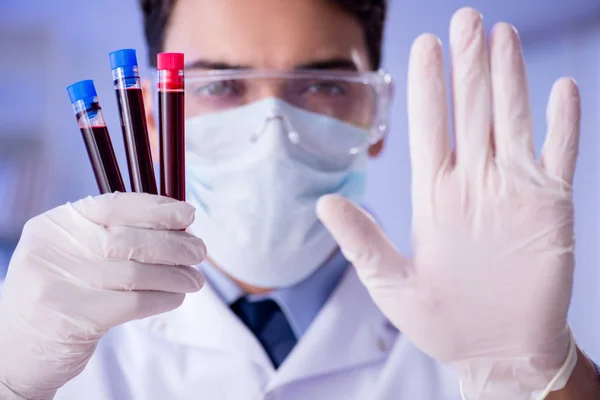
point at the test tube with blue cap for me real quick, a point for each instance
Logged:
(95, 136)
(133, 120)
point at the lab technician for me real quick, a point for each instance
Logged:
(283, 109)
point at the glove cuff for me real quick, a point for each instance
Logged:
(520, 380)
(564, 373)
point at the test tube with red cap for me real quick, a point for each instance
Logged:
(128, 89)
(95, 136)
(171, 125)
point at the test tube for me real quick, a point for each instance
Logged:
(171, 125)
(128, 89)
(95, 136)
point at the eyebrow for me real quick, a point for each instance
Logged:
(334, 63)
(208, 64)
(331, 64)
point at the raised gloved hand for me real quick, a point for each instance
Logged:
(489, 284)
(83, 268)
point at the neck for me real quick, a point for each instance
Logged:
(246, 287)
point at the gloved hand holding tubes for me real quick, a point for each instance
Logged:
(83, 268)
(489, 284)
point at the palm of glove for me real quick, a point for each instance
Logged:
(491, 274)
(490, 281)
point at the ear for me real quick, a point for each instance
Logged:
(376, 149)
(150, 120)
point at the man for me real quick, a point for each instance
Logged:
(282, 111)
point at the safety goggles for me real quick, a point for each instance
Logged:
(358, 98)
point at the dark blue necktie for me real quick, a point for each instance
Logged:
(270, 326)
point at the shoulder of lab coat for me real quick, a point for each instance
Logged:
(350, 351)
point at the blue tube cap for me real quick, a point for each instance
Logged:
(82, 90)
(123, 58)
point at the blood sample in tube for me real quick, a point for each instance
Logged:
(171, 125)
(95, 136)
(128, 89)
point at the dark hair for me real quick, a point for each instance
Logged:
(370, 13)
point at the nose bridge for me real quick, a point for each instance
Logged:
(265, 88)
(276, 122)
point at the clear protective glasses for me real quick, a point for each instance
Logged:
(361, 99)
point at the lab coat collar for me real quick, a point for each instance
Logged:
(348, 331)
(204, 321)
(300, 302)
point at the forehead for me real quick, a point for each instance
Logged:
(274, 34)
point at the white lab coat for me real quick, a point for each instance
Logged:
(202, 351)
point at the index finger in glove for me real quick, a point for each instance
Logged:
(138, 210)
(429, 131)
(64, 233)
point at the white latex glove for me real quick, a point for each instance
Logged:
(83, 268)
(489, 284)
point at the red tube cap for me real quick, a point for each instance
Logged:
(170, 61)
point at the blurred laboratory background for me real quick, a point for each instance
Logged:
(47, 45)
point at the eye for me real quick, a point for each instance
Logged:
(220, 88)
(326, 88)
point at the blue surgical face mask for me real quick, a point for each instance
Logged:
(255, 174)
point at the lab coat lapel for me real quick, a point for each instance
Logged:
(205, 321)
(349, 331)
